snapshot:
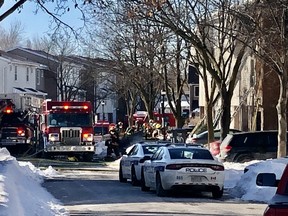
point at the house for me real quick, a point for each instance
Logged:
(75, 78)
(18, 75)
(47, 74)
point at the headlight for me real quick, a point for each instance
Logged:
(53, 137)
(87, 137)
(20, 132)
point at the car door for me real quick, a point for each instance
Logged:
(126, 162)
(156, 165)
(149, 169)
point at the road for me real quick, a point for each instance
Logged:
(97, 191)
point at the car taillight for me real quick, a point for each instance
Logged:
(217, 167)
(180, 166)
(227, 148)
(269, 212)
(174, 166)
(21, 132)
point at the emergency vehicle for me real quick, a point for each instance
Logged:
(67, 128)
(18, 122)
(142, 116)
(101, 130)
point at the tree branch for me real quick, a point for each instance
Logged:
(11, 10)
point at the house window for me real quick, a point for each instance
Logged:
(38, 74)
(196, 91)
(15, 74)
(27, 74)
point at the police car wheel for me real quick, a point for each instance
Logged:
(159, 189)
(121, 178)
(143, 184)
(134, 180)
(217, 193)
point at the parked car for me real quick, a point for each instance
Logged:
(131, 163)
(202, 138)
(278, 205)
(182, 167)
(247, 146)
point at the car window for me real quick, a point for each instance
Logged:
(186, 153)
(160, 155)
(135, 150)
(217, 134)
(150, 149)
(237, 140)
(273, 140)
(155, 155)
(131, 150)
(259, 139)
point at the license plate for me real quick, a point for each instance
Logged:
(196, 178)
(196, 169)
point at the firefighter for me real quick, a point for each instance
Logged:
(113, 143)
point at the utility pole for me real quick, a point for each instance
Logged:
(163, 93)
(103, 116)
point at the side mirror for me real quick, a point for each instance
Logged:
(267, 179)
(142, 160)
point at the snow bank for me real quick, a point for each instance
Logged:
(21, 192)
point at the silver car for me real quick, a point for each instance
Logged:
(183, 167)
(131, 163)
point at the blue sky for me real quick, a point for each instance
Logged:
(36, 24)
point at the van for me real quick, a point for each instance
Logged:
(247, 146)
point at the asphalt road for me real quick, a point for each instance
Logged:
(97, 191)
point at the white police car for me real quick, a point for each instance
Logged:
(183, 167)
(131, 163)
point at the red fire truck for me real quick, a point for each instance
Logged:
(18, 123)
(67, 128)
(142, 116)
(101, 128)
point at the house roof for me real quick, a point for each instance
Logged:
(38, 53)
(15, 58)
(29, 90)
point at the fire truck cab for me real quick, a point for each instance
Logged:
(67, 128)
(18, 123)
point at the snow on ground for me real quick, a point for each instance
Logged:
(21, 192)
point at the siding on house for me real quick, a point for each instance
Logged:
(13, 73)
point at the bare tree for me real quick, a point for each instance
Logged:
(211, 30)
(11, 37)
(268, 21)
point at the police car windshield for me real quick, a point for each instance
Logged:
(190, 153)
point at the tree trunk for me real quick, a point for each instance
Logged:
(210, 128)
(281, 112)
(226, 114)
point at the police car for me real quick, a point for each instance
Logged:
(131, 163)
(183, 167)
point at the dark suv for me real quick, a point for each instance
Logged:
(247, 146)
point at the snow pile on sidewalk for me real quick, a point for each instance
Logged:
(21, 192)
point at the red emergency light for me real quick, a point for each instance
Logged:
(8, 110)
(21, 132)
(66, 107)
